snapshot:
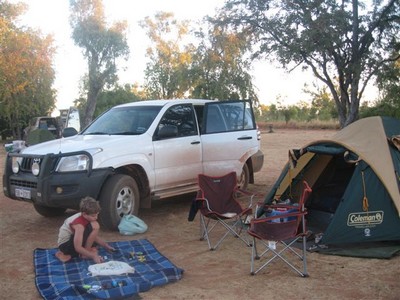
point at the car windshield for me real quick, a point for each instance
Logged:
(124, 121)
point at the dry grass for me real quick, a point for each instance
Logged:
(311, 125)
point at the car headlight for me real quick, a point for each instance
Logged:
(73, 163)
(15, 164)
(35, 168)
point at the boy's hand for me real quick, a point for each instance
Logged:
(110, 249)
(98, 259)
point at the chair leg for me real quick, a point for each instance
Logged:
(231, 229)
(253, 256)
(207, 226)
(204, 231)
(279, 254)
(301, 256)
(305, 272)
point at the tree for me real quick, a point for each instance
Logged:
(26, 73)
(220, 69)
(388, 81)
(343, 42)
(322, 104)
(110, 98)
(213, 68)
(166, 74)
(102, 46)
(289, 113)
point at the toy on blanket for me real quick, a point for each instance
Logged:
(104, 286)
(111, 267)
(137, 255)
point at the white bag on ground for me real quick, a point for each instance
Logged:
(111, 267)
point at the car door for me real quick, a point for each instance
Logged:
(229, 136)
(177, 148)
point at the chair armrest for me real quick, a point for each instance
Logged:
(204, 200)
(270, 219)
(265, 208)
(281, 206)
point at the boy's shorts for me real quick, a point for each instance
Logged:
(68, 247)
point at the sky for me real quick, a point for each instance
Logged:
(51, 17)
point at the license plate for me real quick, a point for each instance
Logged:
(21, 193)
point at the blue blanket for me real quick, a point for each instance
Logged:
(71, 280)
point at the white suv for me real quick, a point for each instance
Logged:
(137, 152)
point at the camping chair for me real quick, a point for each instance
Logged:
(218, 205)
(278, 229)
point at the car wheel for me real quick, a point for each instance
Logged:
(244, 179)
(46, 211)
(119, 197)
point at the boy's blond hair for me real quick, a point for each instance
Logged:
(89, 206)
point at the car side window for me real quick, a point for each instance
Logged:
(178, 121)
(228, 116)
(215, 121)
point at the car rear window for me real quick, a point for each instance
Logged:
(228, 116)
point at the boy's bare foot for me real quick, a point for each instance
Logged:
(63, 257)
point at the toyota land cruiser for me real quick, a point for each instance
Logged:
(137, 152)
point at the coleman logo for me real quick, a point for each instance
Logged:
(365, 218)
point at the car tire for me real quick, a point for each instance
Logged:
(49, 212)
(244, 178)
(119, 197)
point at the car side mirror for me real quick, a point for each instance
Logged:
(69, 131)
(167, 131)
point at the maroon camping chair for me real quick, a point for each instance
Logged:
(218, 207)
(278, 229)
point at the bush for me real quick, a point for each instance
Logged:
(314, 124)
(39, 136)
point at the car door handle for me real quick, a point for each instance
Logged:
(245, 138)
(195, 142)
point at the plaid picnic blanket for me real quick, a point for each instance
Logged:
(71, 280)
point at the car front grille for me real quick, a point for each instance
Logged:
(23, 183)
(26, 164)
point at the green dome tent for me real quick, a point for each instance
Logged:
(355, 177)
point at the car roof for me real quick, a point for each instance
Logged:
(164, 102)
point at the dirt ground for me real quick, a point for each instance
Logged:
(221, 274)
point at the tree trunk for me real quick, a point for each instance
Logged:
(95, 86)
(90, 105)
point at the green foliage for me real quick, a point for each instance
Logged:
(382, 108)
(39, 136)
(26, 73)
(321, 108)
(388, 81)
(322, 104)
(220, 69)
(119, 95)
(343, 43)
(166, 74)
(342, 50)
(107, 99)
(214, 68)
